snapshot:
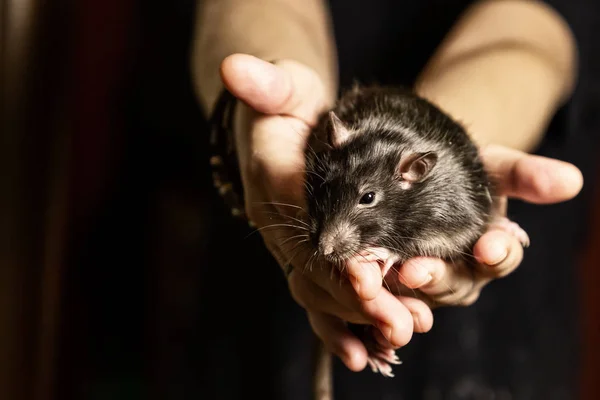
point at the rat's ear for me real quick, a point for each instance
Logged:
(338, 132)
(415, 167)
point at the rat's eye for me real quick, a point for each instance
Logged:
(367, 198)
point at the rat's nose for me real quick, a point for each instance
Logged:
(337, 239)
(327, 249)
(332, 243)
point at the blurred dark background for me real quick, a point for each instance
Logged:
(105, 200)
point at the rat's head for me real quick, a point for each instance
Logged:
(361, 192)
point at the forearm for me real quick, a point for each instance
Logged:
(503, 71)
(268, 29)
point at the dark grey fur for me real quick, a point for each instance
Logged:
(443, 216)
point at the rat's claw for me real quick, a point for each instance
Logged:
(388, 265)
(372, 365)
(378, 365)
(389, 357)
(384, 256)
(380, 359)
(375, 253)
(511, 227)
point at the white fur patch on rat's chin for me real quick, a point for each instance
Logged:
(385, 257)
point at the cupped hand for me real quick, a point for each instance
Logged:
(279, 104)
(499, 251)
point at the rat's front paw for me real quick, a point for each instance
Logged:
(511, 227)
(380, 358)
(381, 361)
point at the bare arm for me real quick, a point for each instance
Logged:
(268, 29)
(503, 71)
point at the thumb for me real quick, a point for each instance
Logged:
(532, 178)
(286, 87)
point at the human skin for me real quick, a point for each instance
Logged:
(520, 60)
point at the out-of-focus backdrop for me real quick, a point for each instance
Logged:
(104, 193)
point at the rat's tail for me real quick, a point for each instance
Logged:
(323, 373)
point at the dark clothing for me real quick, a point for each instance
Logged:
(519, 341)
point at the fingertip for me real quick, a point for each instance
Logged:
(400, 333)
(419, 271)
(258, 83)
(545, 180)
(350, 350)
(366, 279)
(355, 358)
(339, 341)
(230, 66)
(498, 266)
(421, 313)
(405, 334)
(492, 248)
(422, 325)
(572, 179)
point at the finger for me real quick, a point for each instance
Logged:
(532, 178)
(421, 313)
(385, 312)
(365, 277)
(422, 317)
(285, 87)
(278, 158)
(312, 298)
(498, 253)
(444, 283)
(338, 339)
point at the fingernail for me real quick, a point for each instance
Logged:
(386, 330)
(498, 253)
(264, 73)
(428, 279)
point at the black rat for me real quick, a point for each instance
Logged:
(389, 176)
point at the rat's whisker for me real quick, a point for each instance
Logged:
(282, 225)
(309, 264)
(274, 203)
(315, 174)
(275, 226)
(295, 237)
(287, 216)
(298, 247)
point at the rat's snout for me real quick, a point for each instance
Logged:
(326, 246)
(337, 240)
(331, 243)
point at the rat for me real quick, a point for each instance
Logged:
(390, 176)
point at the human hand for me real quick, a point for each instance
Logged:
(281, 103)
(499, 251)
